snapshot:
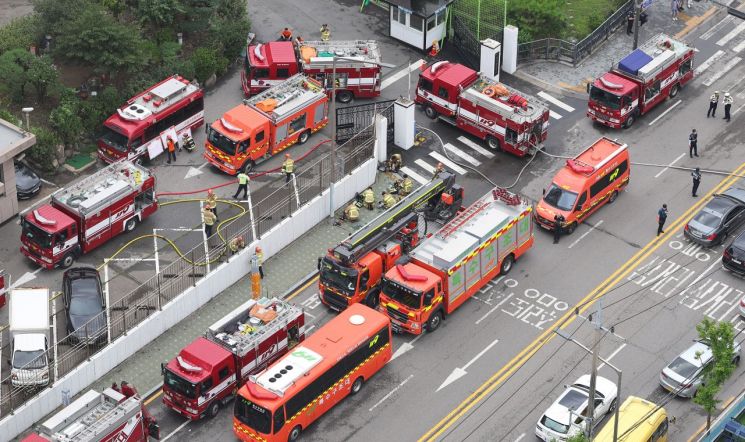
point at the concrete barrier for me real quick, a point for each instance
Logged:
(222, 277)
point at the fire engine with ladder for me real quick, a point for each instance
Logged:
(351, 271)
(108, 416)
(267, 124)
(87, 213)
(447, 268)
(640, 81)
(508, 120)
(207, 373)
(358, 73)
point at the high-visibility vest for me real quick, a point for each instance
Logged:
(369, 196)
(407, 185)
(288, 166)
(243, 178)
(211, 201)
(171, 146)
(260, 257)
(352, 213)
(389, 201)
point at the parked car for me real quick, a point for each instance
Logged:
(718, 218)
(683, 375)
(733, 258)
(565, 417)
(28, 182)
(84, 305)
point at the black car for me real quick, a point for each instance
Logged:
(718, 218)
(84, 305)
(28, 182)
(734, 255)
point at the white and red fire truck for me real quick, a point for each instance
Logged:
(507, 119)
(171, 107)
(87, 213)
(108, 416)
(358, 73)
(640, 81)
(266, 124)
(207, 373)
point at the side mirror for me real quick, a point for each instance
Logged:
(318, 264)
(588, 87)
(163, 368)
(544, 192)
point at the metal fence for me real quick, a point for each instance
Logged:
(357, 120)
(572, 53)
(121, 316)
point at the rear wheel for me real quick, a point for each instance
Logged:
(613, 406)
(294, 434)
(303, 137)
(494, 144)
(434, 321)
(430, 112)
(130, 224)
(344, 97)
(507, 264)
(674, 90)
(357, 386)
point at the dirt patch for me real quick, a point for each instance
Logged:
(10, 9)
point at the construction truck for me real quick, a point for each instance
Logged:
(358, 68)
(508, 120)
(351, 271)
(87, 213)
(108, 416)
(447, 268)
(206, 373)
(640, 81)
(266, 124)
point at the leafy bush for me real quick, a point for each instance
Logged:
(43, 152)
(205, 63)
(13, 77)
(229, 35)
(539, 18)
(65, 119)
(22, 32)
(8, 116)
(43, 76)
(55, 14)
(595, 20)
(95, 110)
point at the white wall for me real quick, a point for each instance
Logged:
(436, 33)
(404, 32)
(187, 303)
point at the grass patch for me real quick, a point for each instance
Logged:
(583, 16)
(79, 160)
(741, 418)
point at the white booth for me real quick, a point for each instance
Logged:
(418, 22)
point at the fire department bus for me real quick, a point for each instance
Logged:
(335, 361)
(173, 103)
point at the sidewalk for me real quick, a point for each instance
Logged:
(573, 80)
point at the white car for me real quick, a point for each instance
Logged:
(566, 416)
(683, 375)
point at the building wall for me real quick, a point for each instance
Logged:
(8, 200)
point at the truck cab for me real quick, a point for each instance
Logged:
(267, 64)
(439, 87)
(412, 297)
(29, 362)
(238, 139)
(47, 237)
(614, 101)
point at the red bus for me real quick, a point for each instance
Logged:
(174, 103)
(335, 361)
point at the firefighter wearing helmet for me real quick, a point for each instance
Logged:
(211, 202)
(236, 244)
(259, 257)
(288, 167)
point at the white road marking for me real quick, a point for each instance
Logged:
(478, 321)
(193, 171)
(554, 115)
(390, 79)
(732, 34)
(701, 276)
(585, 234)
(668, 166)
(390, 393)
(736, 110)
(314, 316)
(709, 61)
(179, 428)
(251, 213)
(130, 259)
(441, 158)
(555, 101)
(414, 175)
(720, 73)
(612, 355)
(424, 165)
(475, 146)
(205, 164)
(157, 258)
(458, 373)
(48, 182)
(520, 437)
(406, 346)
(740, 46)
(707, 35)
(462, 154)
(26, 277)
(665, 113)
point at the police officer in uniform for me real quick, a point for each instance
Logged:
(713, 102)
(558, 227)
(728, 100)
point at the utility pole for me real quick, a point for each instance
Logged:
(334, 151)
(598, 323)
(637, 25)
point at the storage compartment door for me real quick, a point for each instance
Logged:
(507, 241)
(524, 229)
(457, 284)
(473, 270)
(489, 257)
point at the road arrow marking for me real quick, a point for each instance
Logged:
(460, 372)
(192, 172)
(26, 277)
(406, 346)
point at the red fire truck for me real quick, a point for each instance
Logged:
(351, 271)
(171, 107)
(207, 373)
(640, 81)
(109, 416)
(87, 213)
(358, 74)
(266, 124)
(448, 267)
(508, 120)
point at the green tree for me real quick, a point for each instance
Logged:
(43, 76)
(116, 7)
(720, 337)
(196, 15)
(22, 32)
(13, 67)
(54, 14)
(42, 153)
(538, 18)
(65, 119)
(204, 60)
(158, 14)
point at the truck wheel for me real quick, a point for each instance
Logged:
(674, 91)
(248, 166)
(130, 224)
(303, 137)
(494, 144)
(214, 408)
(570, 228)
(613, 197)
(68, 260)
(630, 120)
(430, 112)
(434, 321)
(357, 385)
(506, 264)
(294, 434)
(344, 97)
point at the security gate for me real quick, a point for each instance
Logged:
(359, 119)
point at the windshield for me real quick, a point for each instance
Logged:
(683, 368)
(553, 425)
(708, 217)
(605, 98)
(560, 198)
(36, 235)
(29, 359)
(341, 278)
(179, 385)
(402, 294)
(221, 142)
(114, 139)
(254, 416)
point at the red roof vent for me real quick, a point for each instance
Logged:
(408, 276)
(579, 167)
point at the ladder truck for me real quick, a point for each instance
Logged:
(351, 271)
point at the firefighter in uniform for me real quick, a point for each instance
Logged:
(351, 212)
(285, 35)
(403, 186)
(288, 167)
(209, 221)
(388, 200)
(259, 256)
(435, 49)
(438, 170)
(369, 198)
(211, 201)
(171, 146)
(325, 32)
(395, 162)
(236, 244)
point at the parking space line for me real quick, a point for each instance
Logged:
(708, 62)
(731, 34)
(520, 437)
(720, 73)
(665, 113)
(441, 158)
(155, 248)
(179, 428)
(462, 154)
(668, 166)
(205, 239)
(389, 80)
(475, 146)
(556, 101)
(390, 393)
(612, 355)
(478, 321)
(585, 234)
(414, 175)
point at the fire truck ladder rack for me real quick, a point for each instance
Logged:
(462, 218)
(366, 51)
(664, 50)
(90, 193)
(289, 95)
(475, 93)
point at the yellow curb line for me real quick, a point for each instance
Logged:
(692, 22)
(576, 88)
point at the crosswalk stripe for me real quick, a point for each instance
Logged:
(425, 165)
(707, 35)
(709, 61)
(554, 115)
(473, 145)
(441, 158)
(462, 154)
(555, 101)
(410, 172)
(717, 75)
(740, 46)
(732, 34)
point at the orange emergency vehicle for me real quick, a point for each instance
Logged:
(584, 184)
(266, 124)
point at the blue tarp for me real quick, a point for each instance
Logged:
(634, 61)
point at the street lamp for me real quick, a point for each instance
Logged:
(26, 111)
(568, 337)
